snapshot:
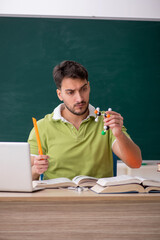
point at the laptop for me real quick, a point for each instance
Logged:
(15, 167)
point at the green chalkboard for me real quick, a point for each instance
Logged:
(122, 58)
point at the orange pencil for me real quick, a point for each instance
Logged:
(38, 140)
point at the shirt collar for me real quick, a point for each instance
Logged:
(57, 112)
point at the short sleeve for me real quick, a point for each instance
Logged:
(33, 141)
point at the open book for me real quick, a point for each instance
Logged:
(82, 181)
(124, 184)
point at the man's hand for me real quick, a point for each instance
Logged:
(115, 122)
(39, 165)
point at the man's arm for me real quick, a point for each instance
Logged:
(123, 147)
(127, 151)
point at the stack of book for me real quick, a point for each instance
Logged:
(119, 184)
(125, 183)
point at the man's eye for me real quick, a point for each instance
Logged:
(70, 93)
(85, 89)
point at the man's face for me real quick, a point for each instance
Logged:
(75, 95)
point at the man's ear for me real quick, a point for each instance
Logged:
(59, 94)
(89, 86)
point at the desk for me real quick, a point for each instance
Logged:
(67, 214)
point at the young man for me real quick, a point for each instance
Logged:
(71, 139)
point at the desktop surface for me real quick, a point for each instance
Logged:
(68, 214)
(74, 195)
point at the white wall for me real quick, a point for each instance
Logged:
(146, 171)
(121, 9)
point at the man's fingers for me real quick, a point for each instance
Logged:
(39, 169)
(114, 119)
(41, 166)
(40, 162)
(112, 113)
(40, 157)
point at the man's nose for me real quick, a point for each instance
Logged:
(79, 97)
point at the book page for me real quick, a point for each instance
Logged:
(82, 178)
(51, 181)
(152, 189)
(148, 182)
(124, 188)
(119, 180)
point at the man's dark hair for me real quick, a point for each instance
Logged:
(68, 69)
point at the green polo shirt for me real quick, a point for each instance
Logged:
(74, 152)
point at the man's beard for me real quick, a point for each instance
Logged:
(74, 112)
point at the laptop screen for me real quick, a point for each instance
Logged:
(15, 167)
